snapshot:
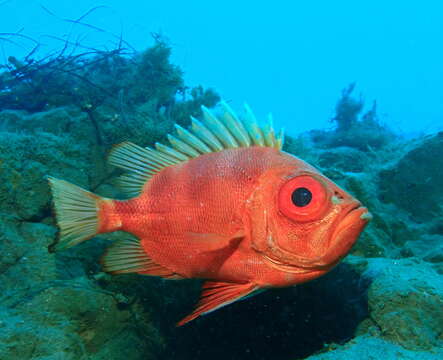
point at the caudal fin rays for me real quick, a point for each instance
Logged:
(76, 212)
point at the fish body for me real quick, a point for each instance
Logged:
(223, 204)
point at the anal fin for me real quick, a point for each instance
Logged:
(216, 295)
(127, 256)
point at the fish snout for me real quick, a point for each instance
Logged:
(348, 229)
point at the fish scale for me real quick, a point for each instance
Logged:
(218, 204)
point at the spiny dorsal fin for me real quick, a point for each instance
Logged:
(212, 134)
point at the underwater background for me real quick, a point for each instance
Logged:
(358, 88)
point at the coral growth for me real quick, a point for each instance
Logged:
(113, 89)
(352, 129)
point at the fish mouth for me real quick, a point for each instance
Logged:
(349, 227)
(350, 224)
(354, 216)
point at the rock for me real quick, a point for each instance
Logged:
(345, 159)
(23, 338)
(405, 300)
(428, 247)
(77, 320)
(67, 121)
(415, 182)
(26, 160)
(372, 348)
(24, 248)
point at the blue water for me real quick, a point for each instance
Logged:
(288, 58)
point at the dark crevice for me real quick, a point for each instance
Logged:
(44, 213)
(90, 112)
(285, 324)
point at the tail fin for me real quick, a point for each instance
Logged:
(78, 213)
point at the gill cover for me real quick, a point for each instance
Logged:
(290, 213)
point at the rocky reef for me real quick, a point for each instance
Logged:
(60, 117)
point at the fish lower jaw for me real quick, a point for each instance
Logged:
(305, 268)
(366, 216)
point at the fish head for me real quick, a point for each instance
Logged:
(303, 223)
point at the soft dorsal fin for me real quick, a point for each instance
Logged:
(216, 295)
(141, 164)
(212, 134)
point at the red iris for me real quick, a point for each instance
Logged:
(303, 198)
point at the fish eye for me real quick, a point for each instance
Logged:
(303, 198)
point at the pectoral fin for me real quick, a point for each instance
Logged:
(127, 256)
(217, 294)
(212, 242)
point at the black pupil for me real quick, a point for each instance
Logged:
(301, 197)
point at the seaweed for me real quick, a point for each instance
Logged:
(352, 128)
(116, 86)
(347, 109)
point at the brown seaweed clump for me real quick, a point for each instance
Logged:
(352, 128)
(117, 85)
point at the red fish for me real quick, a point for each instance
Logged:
(222, 203)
